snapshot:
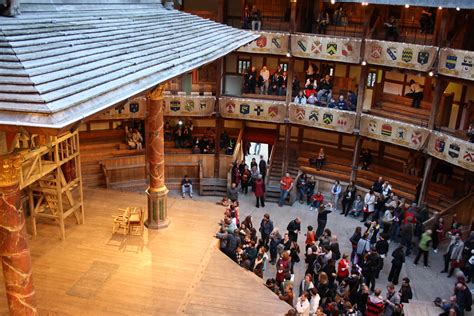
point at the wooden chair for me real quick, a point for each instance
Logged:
(136, 221)
(122, 222)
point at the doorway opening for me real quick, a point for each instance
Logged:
(255, 150)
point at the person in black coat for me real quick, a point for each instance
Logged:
(405, 291)
(322, 219)
(377, 186)
(348, 197)
(294, 227)
(382, 249)
(397, 264)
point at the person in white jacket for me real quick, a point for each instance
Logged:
(335, 193)
(302, 305)
(369, 205)
(314, 301)
(300, 98)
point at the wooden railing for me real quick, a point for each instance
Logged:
(270, 164)
(462, 211)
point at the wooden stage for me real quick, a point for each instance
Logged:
(178, 270)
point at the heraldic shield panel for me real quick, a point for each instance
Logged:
(326, 48)
(456, 63)
(400, 55)
(189, 105)
(252, 109)
(325, 118)
(395, 132)
(268, 43)
(451, 149)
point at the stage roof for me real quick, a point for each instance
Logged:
(60, 63)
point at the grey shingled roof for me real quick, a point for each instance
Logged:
(61, 63)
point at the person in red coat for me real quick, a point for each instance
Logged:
(260, 191)
(343, 268)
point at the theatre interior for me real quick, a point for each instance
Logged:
(106, 105)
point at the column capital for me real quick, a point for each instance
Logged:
(10, 165)
(157, 93)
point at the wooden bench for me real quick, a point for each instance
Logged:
(405, 103)
(122, 169)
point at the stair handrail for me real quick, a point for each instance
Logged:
(270, 164)
(237, 155)
(462, 209)
(200, 177)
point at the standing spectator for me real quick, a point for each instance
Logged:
(391, 29)
(378, 185)
(301, 187)
(406, 234)
(453, 254)
(265, 74)
(397, 264)
(256, 18)
(262, 166)
(343, 268)
(406, 293)
(266, 228)
(470, 133)
(252, 80)
(363, 246)
(302, 305)
(245, 180)
(310, 237)
(294, 228)
(246, 20)
(335, 193)
(352, 100)
(286, 184)
(283, 267)
(355, 240)
(438, 233)
(187, 186)
(294, 255)
(369, 203)
(348, 197)
(375, 304)
(427, 20)
(423, 248)
(314, 301)
(260, 191)
(275, 239)
(233, 192)
(322, 219)
(392, 302)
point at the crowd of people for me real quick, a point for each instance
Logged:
(317, 89)
(338, 283)
(246, 177)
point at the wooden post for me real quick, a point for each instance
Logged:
(293, 16)
(14, 251)
(426, 179)
(220, 11)
(300, 134)
(157, 191)
(219, 120)
(440, 86)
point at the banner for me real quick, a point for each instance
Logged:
(395, 132)
(177, 105)
(456, 63)
(400, 55)
(320, 117)
(451, 149)
(252, 109)
(132, 109)
(268, 43)
(327, 48)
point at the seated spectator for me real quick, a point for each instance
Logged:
(470, 133)
(391, 29)
(341, 103)
(316, 200)
(322, 22)
(135, 140)
(366, 159)
(325, 89)
(187, 186)
(416, 93)
(321, 158)
(312, 100)
(310, 87)
(196, 149)
(168, 132)
(357, 206)
(332, 104)
(300, 98)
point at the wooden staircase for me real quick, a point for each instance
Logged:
(213, 186)
(275, 173)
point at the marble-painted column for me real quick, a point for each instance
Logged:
(14, 251)
(157, 191)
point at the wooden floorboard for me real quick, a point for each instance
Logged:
(96, 273)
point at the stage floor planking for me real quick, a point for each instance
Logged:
(96, 273)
